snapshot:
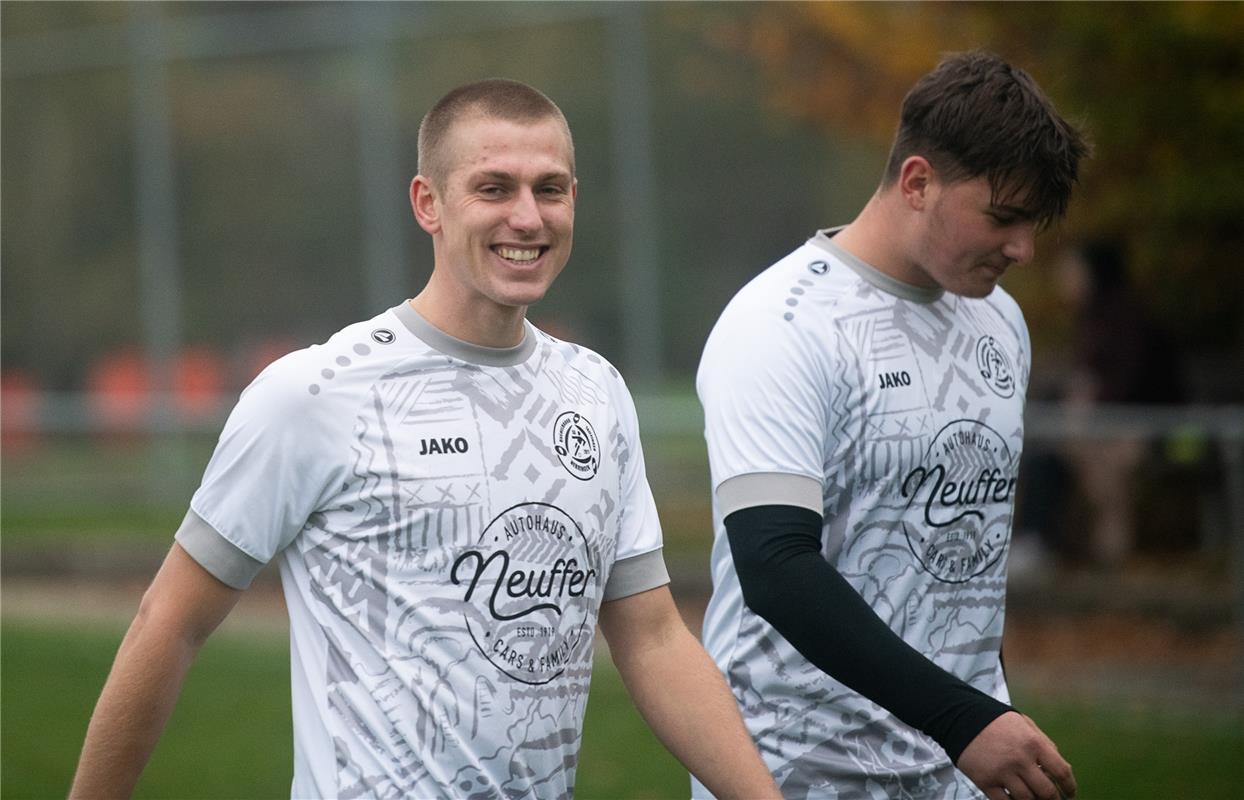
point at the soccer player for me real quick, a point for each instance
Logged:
(455, 499)
(864, 402)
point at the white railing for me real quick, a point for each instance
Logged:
(1220, 427)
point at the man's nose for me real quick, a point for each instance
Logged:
(525, 211)
(1022, 245)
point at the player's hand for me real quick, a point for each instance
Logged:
(1011, 759)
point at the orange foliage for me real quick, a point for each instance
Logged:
(846, 66)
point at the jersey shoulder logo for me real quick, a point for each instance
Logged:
(995, 367)
(575, 442)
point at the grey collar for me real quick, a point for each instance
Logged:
(438, 340)
(885, 283)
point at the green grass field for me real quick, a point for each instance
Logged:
(230, 735)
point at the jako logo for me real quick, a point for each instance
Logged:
(889, 380)
(445, 445)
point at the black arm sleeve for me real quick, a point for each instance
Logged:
(786, 581)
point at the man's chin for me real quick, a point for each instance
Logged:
(526, 292)
(975, 292)
(521, 297)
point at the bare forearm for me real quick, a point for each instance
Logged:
(684, 699)
(132, 711)
(180, 609)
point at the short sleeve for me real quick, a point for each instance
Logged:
(638, 564)
(273, 466)
(764, 386)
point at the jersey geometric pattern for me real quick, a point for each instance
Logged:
(907, 407)
(446, 520)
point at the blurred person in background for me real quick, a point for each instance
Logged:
(863, 403)
(454, 499)
(1120, 355)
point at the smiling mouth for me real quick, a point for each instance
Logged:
(519, 255)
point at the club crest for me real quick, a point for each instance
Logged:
(995, 367)
(575, 442)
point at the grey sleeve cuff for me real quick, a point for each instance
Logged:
(769, 489)
(636, 574)
(215, 553)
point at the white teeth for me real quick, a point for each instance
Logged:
(516, 254)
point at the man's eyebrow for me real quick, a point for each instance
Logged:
(1012, 211)
(507, 177)
(555, 176)
(492, 175)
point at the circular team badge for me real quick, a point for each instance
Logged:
(574, 441)
(530, 587)
(383, 336)
(818, 267)
(962, 490)
(995, 367)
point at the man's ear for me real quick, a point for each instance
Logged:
(425, 202)
(915, 181)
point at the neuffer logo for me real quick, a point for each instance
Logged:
(963, 490)
(532, 586)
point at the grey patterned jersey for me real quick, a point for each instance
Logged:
(902, 410)
(448, 520)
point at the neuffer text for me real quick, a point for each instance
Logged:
(991, 485)
(565, 579)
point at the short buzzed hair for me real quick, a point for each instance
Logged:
(496, 98)
(976, 115)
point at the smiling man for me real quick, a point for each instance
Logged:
(863, 404)
(455, 500)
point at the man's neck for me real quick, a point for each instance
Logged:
(872, 238)
(486, 324)
(878, 236)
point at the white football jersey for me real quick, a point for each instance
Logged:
(448, 519)
(897, 414)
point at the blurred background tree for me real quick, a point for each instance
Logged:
(1158, 86)
(265, 102)
(767, 120)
